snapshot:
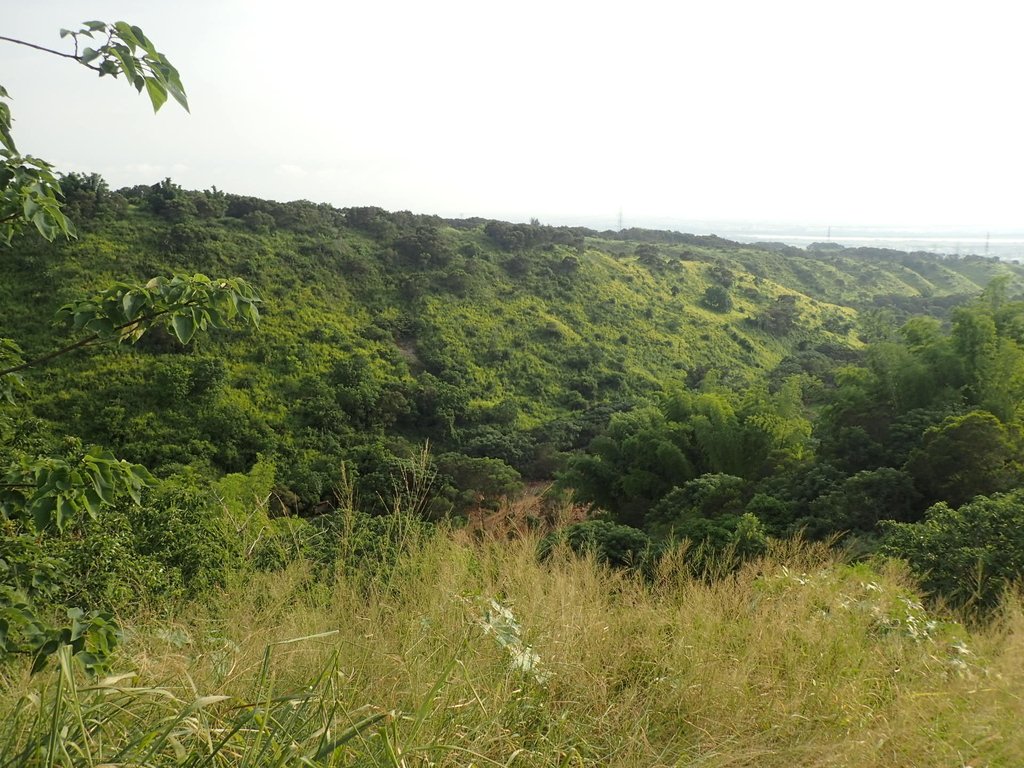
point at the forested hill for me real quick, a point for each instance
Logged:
(506, 346)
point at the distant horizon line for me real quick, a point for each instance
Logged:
(735, 225)
(775, 227)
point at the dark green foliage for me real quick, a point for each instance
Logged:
(346, 358)
(89, 637)
(515, 448)
(424, 248)
(363, 548)
(369, 401)
(968, 554)
(516, 351)
(50, 493)
(776, 515)
(469, 482)
(101, 566)
(181, 527)
(617, 545)
(175, 544)
(862, 499)
(705, 509)
(646, 453)
(781, 318)
(717, 298)
(630, 467)
(966, 456)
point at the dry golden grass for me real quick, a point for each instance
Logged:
(797, 659)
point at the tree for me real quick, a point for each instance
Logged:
(646, 453)
(40, 496)
(706, 508)
(617, 545)
(717, 299)
(970, 554)
(626, 470)
(965, 456)
(780, 318)
(868, 496)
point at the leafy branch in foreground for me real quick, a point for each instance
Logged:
(127, 311)
(50, 491)
(29, 190)
(128, 50)
(41, 494)
(10, 360)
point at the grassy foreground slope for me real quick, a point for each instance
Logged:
(465, 653)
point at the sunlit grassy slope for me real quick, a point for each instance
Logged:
(550, 327)
(474, 654)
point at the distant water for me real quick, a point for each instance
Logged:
(1003, 242)
(1003, 246)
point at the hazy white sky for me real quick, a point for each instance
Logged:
(896, 113)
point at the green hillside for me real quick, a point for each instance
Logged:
(292, 486)
(650, 414)
(383, 330)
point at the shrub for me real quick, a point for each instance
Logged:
(611, 543)
(182, 527)
(176, 544)
(468, 481)
(364, 547)
(717, 299)
(706, 508)
(968, 555)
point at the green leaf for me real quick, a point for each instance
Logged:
(126, 33)
(43, 655)
(104, 481)
(63, 511)
(101, 326)
(45, 226)
(93, 503)
(200, 317)
(42, 513)
(348, 734)
(157, 93)
(141, 477)
(128, 62)
(144, 42)
(5, 137)
(132, 303)
(184, 328)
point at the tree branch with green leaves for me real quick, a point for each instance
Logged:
(126, 312)
(41, 495)
(29, 190)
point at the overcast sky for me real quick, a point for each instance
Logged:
(890, 113)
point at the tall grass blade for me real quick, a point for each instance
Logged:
(354, 730)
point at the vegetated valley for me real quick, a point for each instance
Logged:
(482, 493)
